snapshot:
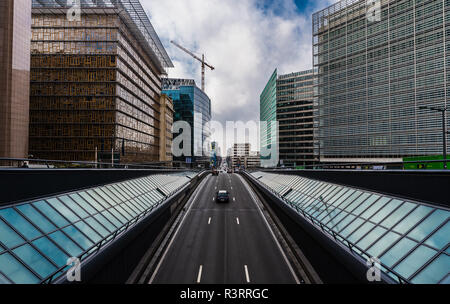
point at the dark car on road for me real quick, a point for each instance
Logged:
(222, 196)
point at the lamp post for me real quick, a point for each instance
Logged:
(444, 128)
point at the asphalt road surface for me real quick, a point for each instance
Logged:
(223, 243)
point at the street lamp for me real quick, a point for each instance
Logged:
(444, 128)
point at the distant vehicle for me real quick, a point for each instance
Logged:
(222, 196)
(215, 171)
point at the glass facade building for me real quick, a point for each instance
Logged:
(375, 71)
(410, 239)
(295, 115)
(15, 31)
(268, 135)
(192, 105)
(95, 82)
(38, 237)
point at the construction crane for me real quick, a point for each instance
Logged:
(202, 60)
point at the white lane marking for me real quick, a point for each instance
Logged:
(234, 199)
(250, 191)
(237, 220)
(192, 201)
(215, 187)
(199, 277)
(214, 198)
(246, 274)
(231, 188)
(209, 221)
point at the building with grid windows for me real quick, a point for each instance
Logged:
(95, 82)
(375, 73)
(15, 30)
(193, 106)
(268, 135)
(295, 118)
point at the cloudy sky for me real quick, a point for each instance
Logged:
(245, 40)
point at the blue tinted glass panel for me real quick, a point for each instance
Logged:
(99, 228)
(16, 271)
(73, 206)
(349, 200)
(19, 223)
(51, 213)
(414, 261)
(368, 202)
(8, 237)
(101, 198)
(434, 272)
(387, 209)
(440, 238)
(356, 202)
(83, 204)
(383, 243)
(67, 244)
(83, 227)
(352, 226)
(91, 200)
(344, 222)
(107, 224)
(371, 237)
(111, 218)
(393, 219)
(375, 207)
(78, 237)
(123, 212)
(126, 206)
(4, 280)
(412, 219)
(35, 260)
(63, 210)
(428, 225)
(51, 251)
(397, 251)
(37, 218)
(359, 232)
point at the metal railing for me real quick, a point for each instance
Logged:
(66, 164)
(336, 236)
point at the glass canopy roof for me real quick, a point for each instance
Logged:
(38, 237)
(410, 239)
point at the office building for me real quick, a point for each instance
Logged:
(295, 118)
(193, 106)
(376, 65)
(95, 82)
(166, 122)
(241, 155)
(268, 127)
(15, 32)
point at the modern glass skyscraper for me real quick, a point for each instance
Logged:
(192, 105)
(95, 81)
(268, 135)
(295, 118)
(375, 71)
(15, 31)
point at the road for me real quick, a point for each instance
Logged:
(223, 243)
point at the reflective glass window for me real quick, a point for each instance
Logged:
(51, 213)
(78, 237)
(397, 251)
(16, 271)
(35, 260)
(383, 243)
(357, 201)
(387, 209)
(359, 232)
(375, 207)
(101, 198)
(414, 261)
(412, 219)
(352, 226)
(123, 212)
(67, 244)
(117, 215)
(4, 280)
(92, 201)
(428, 225)
(365, 204)
(73, 206)
(19, 223)
(434, 272)
(37, 218)
(97, 227)
(109, 215)
(51, 250)
(83, 203)
(440, 238)
(58, 205)
(8, 236)
(88, 231)
(371, 237)
(107, 224)
(395, 217)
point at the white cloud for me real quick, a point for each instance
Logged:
(243, 42)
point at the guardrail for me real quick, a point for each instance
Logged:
(335, 235)
(66, 164)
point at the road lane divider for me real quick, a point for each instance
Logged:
(199, 276)
(247, 276)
